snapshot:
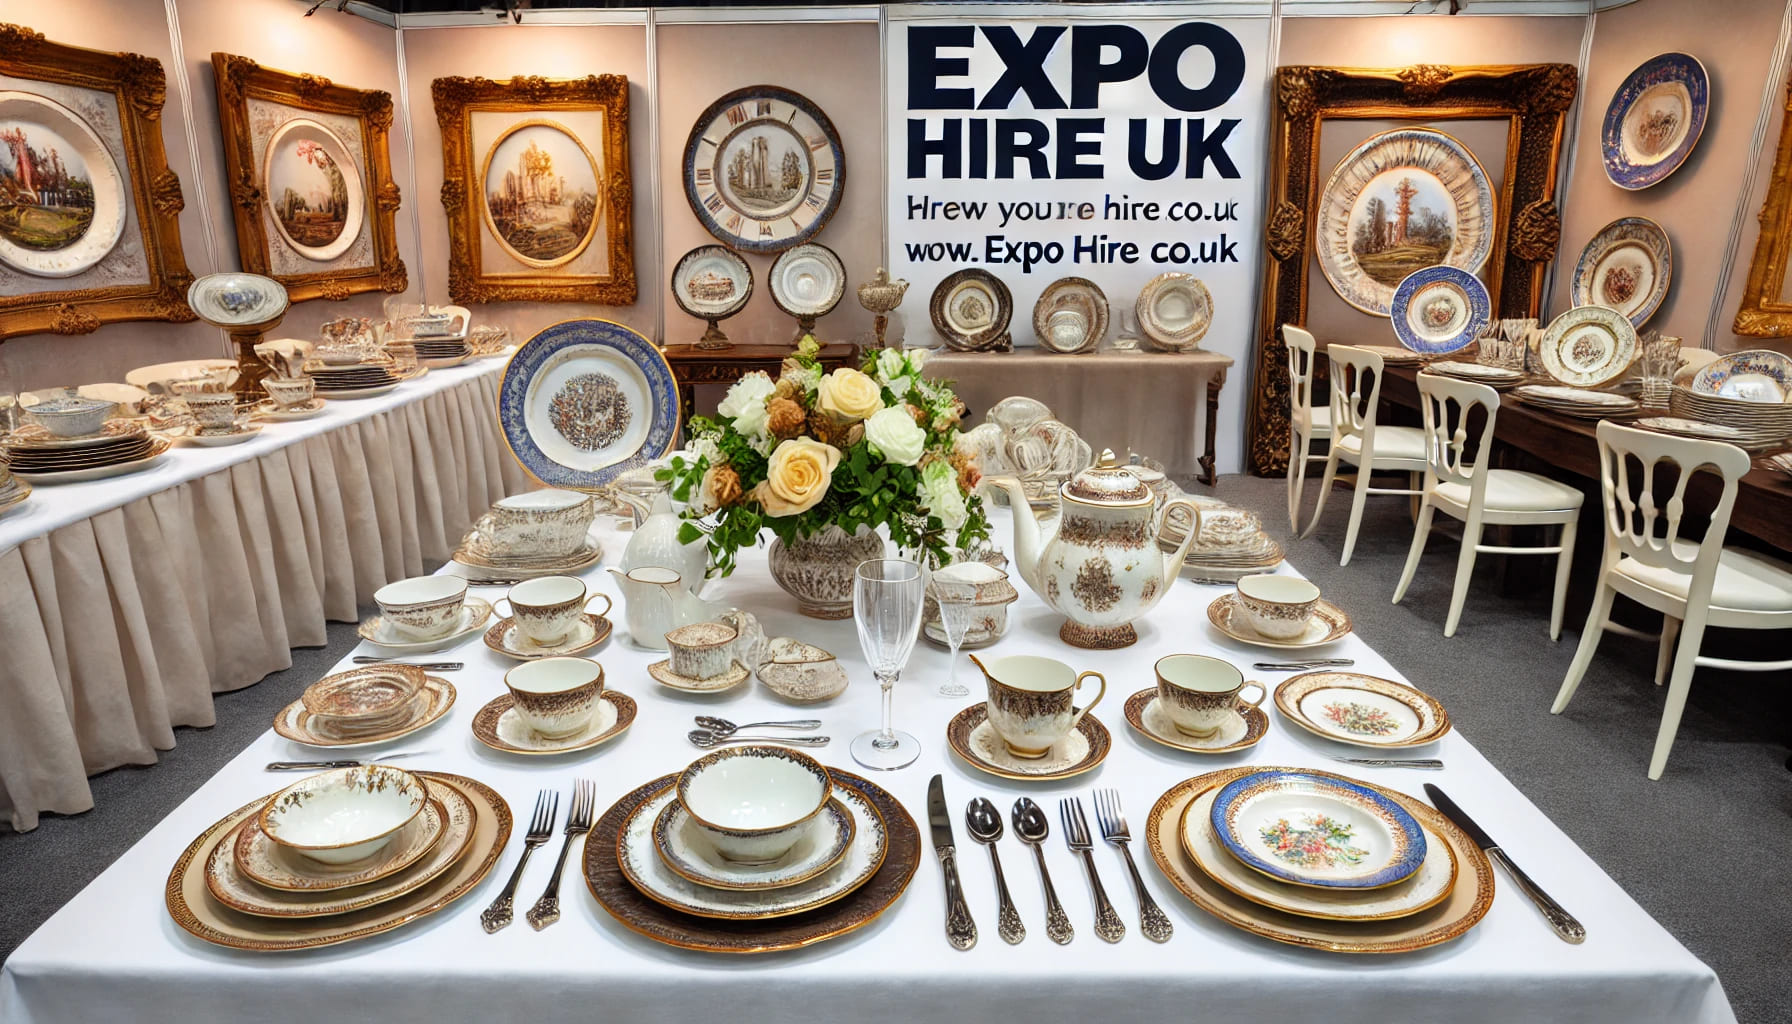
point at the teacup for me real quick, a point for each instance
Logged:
(556, 697)
(537, 524)
(288, 393)
(212, 410)
(423, 607)
(1277, 607)
(547, 607)
(702, 650)
(1030, 701)
(1198, 694)
(753, 803)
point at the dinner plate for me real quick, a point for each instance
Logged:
(1697, 429)
(1174, 310)
(56, 459)
(807, 280)
(971, 309)
(30, 437)
(473, 614)
(1394, 355)
(193, 908)
(1759, 375)
(301, 726)
(1469, 900)
(1329, 623)
(266, 863)
(345, 394)
(972, 738)
(1316, 830)
(1362, 710)
(1438, 310)
(584, 401)
(1654, 119)
(1071, 316)
(1242, 730)
(1575, 401)
(712, 282)
(157, 449)
(1626, 266)
(692, 856)
(1588, 346)
(498, 726)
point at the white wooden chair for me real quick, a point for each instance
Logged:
(1356, 395)
(1480, 495)
(1305, 423)
(1692, 585)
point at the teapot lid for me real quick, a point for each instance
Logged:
(1108, 483)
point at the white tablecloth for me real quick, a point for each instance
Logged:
(113, 953)
(126, 603)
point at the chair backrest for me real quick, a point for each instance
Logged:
(1356, 392)
(1301, 346)
(1633, 524)
(1448, 405)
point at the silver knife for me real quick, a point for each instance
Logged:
(302, 766)
(961, 931)
(1296, 666)
(1566, 927)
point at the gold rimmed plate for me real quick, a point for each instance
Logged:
(301, 726)
(975, 741)
(265, 862)
(1362, 710)
(1145, 714)
(507, 639)
(498, 726)
(690, 855)
(662, 673)
(1329, 623)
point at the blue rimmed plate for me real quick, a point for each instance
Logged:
(1627, 267)
(585, 401)
(1654, 120)
(1438, 310)
(1317, 830)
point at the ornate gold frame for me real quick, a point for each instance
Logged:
(239, 80)
(140, 87)
(455, 99)
(1763, 314)
(1532, 98)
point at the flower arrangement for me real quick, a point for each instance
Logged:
(867, 447)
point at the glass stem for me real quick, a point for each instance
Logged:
(952, 670)
(886, 737)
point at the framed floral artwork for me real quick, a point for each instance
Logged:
(535, 180)
(310, 174)
(89, 211)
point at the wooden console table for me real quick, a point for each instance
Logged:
(692, 366)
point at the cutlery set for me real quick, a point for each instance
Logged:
(712, 732)
(541, 828)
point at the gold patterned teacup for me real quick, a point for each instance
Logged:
(546, 523)
(546, 608)
(1277, 607)
(1198, 694)
(288, 393)
(212, 410)
(1030, 701)
(556, 697)
(422, 607)
(702, 650)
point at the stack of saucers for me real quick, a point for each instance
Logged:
(1579, 402)
(1761, 424)
(36, 455)
(353, 380)
(442, 351)
(1231, 544)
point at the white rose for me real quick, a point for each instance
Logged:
(745, 403)
(895, 433)
(889, 364)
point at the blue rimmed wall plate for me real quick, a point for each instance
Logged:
(1440, 309)
(1654, 120)
(584, 401)
(1316, 830)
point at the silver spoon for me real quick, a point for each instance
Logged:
(984, 823)
(721, 727)
(706, 739)
(1031, 826)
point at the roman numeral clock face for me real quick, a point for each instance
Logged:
(764, 169)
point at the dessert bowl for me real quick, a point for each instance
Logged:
(754, 802)
(341, 816)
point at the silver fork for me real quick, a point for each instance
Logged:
(1113, 828)
(541, 826)
(1076, 833)
(578, 822)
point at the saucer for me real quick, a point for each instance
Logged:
(498, 726)
(1327, 624)
(974, 739)
(1242, 730)
(301, 726)
(662, 673)
(242, 433)
(271, 410)
(505, 638)
(472, 616)
(1362, 710)
(266, 862)
(692, 856)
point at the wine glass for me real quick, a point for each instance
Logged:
(957, 602)
(886, 605)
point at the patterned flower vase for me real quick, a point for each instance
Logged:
(818, 570)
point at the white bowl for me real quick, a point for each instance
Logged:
(422, 607)
(344, 815)
(754, 802)
(71, 415)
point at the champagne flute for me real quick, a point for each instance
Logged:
(957, 602)
(886, 606)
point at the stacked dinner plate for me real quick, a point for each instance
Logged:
(1396, 355)
(442, 351)
(1499, 378)
(120, 446)
(1761, 424)
(1580, 402)
(353, 380)
(364, 706)
(1231, 544)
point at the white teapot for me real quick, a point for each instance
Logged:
(655, 540)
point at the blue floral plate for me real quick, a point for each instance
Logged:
(1441, 309)
(1654, 120)
(1317, 830)
(585, 401)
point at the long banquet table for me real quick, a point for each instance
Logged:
(126, 603)
(113, 953)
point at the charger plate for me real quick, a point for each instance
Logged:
(1468, 902)
(193, 908)
(1364, 711)
(1317, 831)
(617, 895)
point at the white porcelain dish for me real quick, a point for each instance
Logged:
(343, 815)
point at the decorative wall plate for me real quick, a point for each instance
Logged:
(712, 282)
(1758, 375)
(313, 189)
(71, 211)
(1438, 310)
(1174, 311)
(807, 280)
(971, 309)
(763, 169)
(1626, 266)
(1361, 710)
(1654, 120)
(234, 300)
(1401, 201)
(1317, 830)
(584, 401)
(1588, 346)
(1071, 315)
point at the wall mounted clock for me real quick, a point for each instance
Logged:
(764, 169)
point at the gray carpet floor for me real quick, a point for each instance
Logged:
(1726, 784)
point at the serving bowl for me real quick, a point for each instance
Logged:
(365, 699)
(341, 816)
(71, 415)
(754, 802)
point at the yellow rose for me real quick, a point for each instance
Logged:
(848, 395)
(797, 476)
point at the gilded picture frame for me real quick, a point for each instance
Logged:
(576, 243)
(1765, 312)
(254, 104)
(133, 88)
(1532, 98)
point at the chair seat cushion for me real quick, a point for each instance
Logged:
(1745, 581)
(1390, 443)
(1321, 419)
(1512, 490)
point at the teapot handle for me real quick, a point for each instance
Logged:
(1173, 563)
(1103, 692)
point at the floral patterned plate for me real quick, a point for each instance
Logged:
(1588, 346)
(1317, 830)
(1361, 710)
(1759, 375)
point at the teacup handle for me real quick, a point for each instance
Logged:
(509, 613)
(606, 612)
(1261, 693)
(1103, 692)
